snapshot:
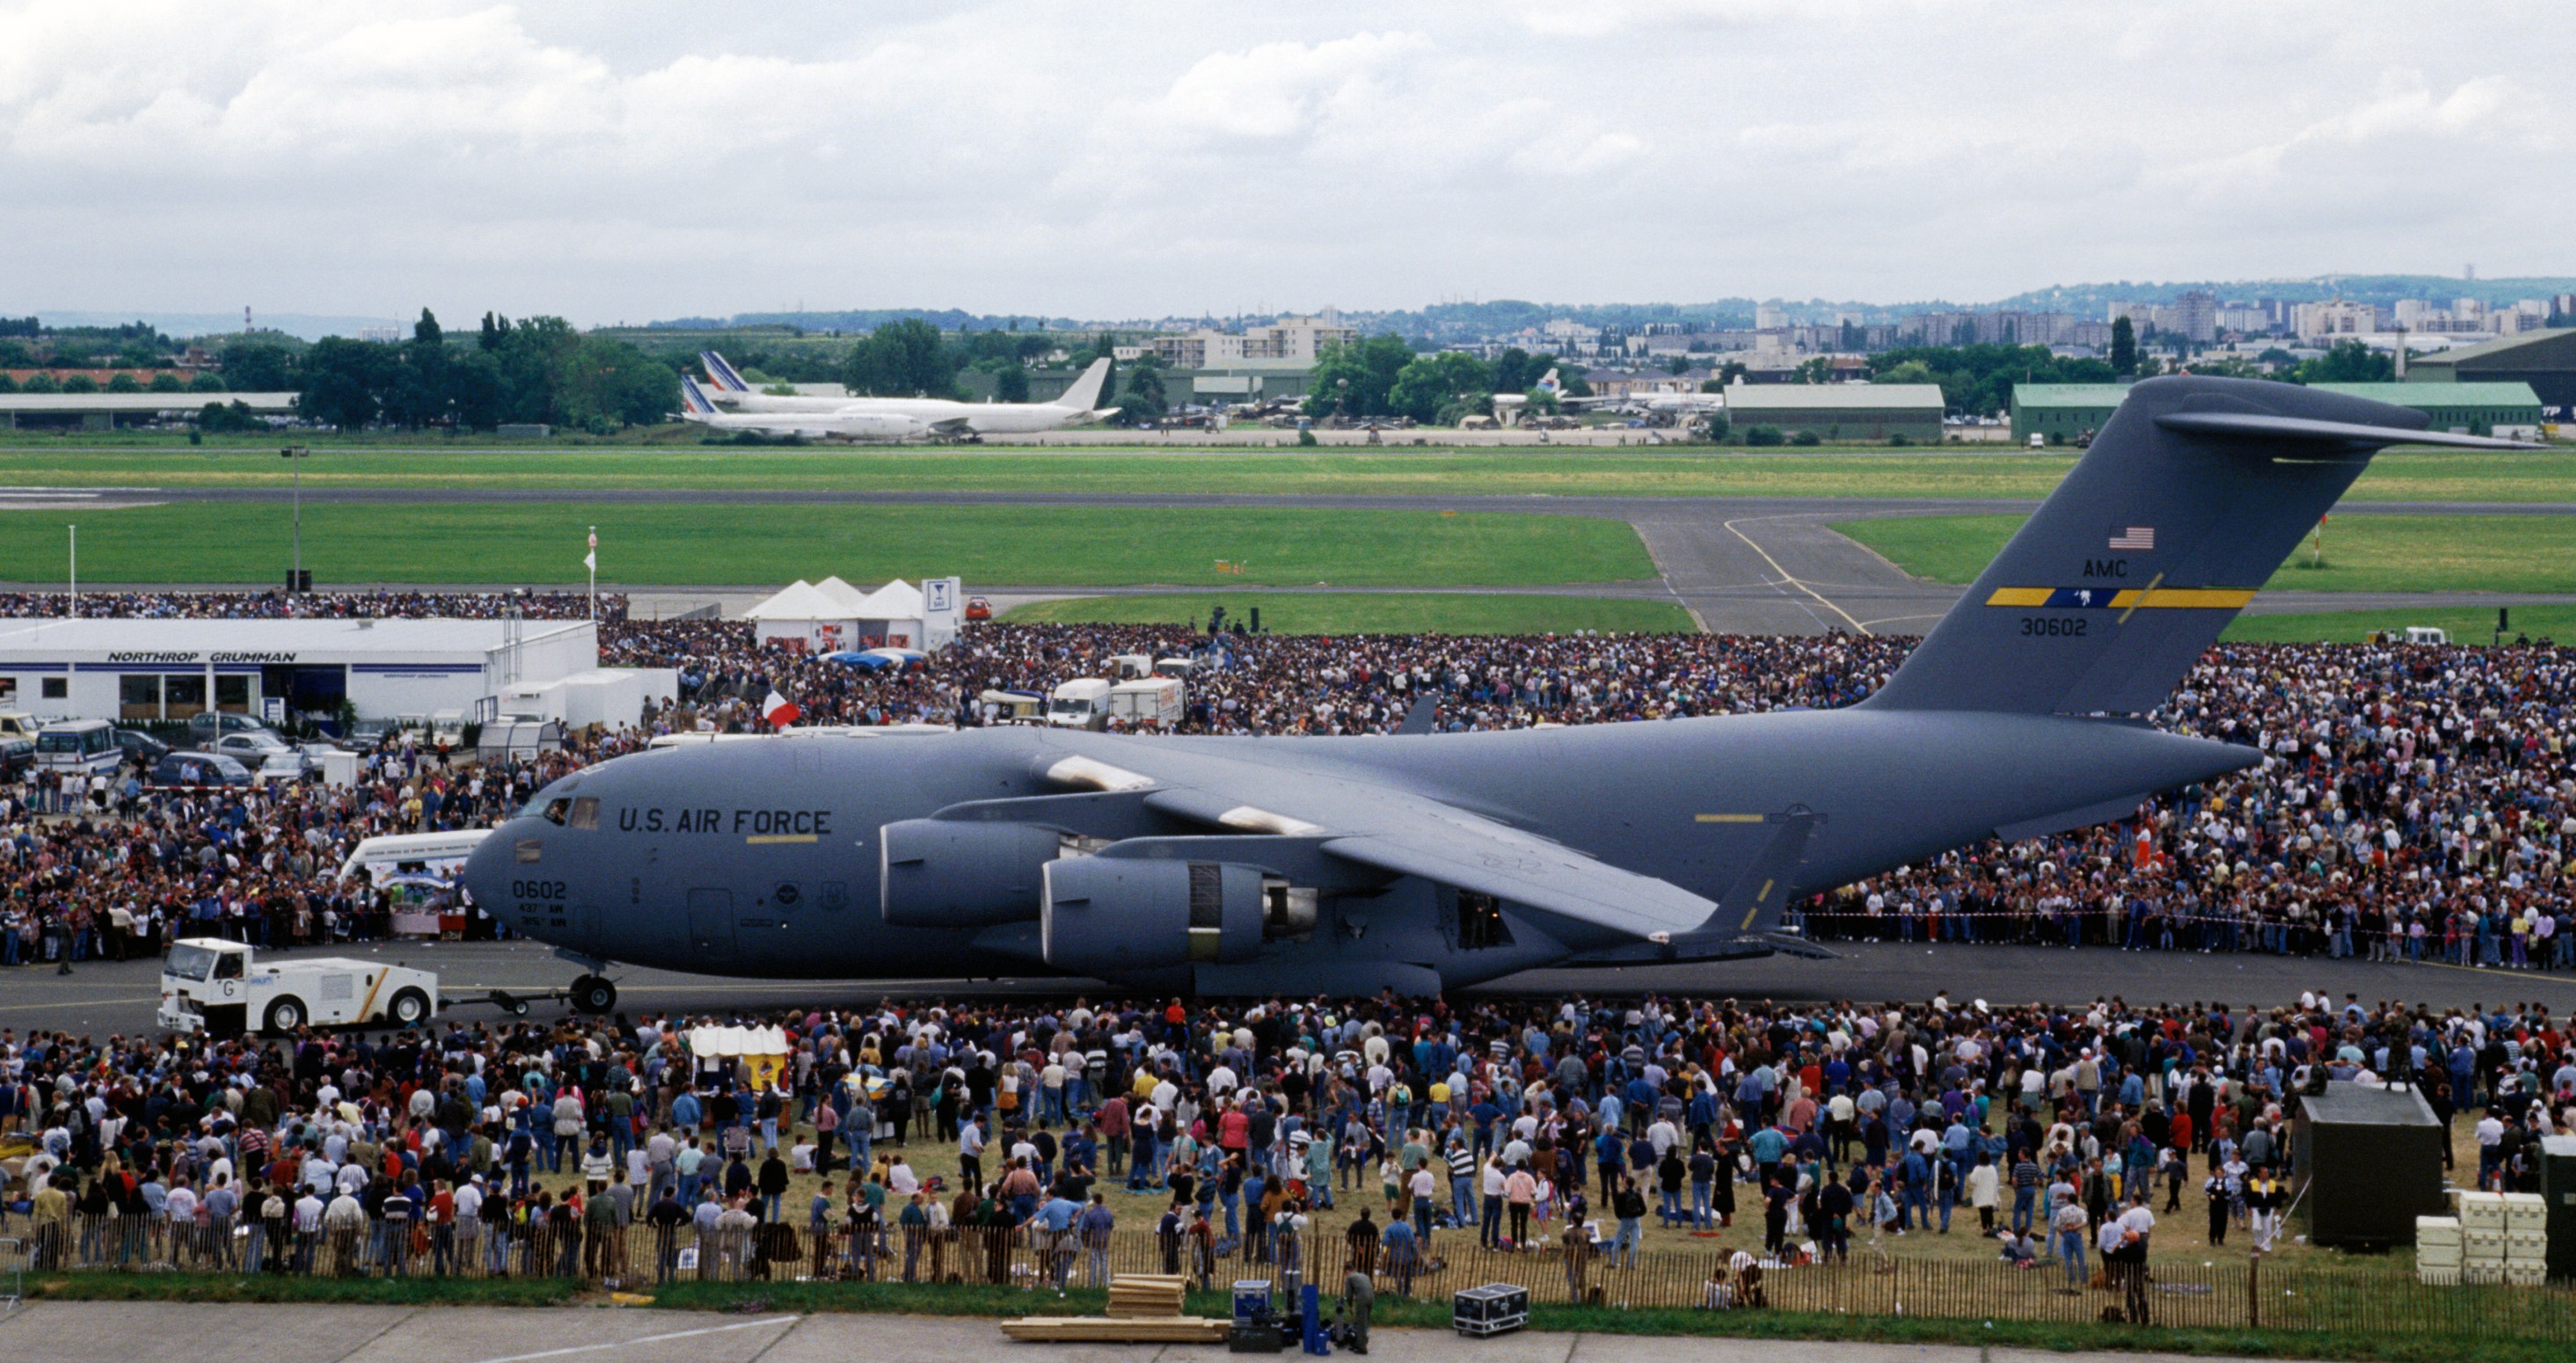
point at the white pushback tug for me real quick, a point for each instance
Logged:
(212, 985)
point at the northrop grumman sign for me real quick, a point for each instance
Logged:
(196, 657)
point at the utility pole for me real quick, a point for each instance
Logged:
(294, 456)
(71, 601)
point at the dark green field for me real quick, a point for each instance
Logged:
(2466, 626)
(720, 544)
(42, 462)
(2361, 553)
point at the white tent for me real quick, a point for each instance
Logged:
(831, 615)
(845, 594)
(896, 600)
(805, 616)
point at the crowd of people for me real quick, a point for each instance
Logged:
(283, 605)
(2413, 803)
(939, 1139)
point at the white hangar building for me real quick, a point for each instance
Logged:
(139, 670)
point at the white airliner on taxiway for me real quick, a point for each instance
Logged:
(940, 416)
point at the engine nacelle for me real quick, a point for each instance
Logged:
(954, 873)
(1118, 915)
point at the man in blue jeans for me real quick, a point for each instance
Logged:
(2025, 1186)
(2071, 1224)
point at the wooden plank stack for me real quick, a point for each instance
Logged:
(1143, 1309)
(1140, 1296)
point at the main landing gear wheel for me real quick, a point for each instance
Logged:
(593, 994)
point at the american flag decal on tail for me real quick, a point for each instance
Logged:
(2133, 537)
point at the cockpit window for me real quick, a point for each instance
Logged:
(556, 809)
(585, 812)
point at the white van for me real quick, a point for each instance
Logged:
(2426, 634)
(1082, 703)
(86, 745)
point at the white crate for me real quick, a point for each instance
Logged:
(2481, 1273)
(2483, 1246)
(2433, 1276)
(2438, 1256)
(2526, 1275)
(2481, 1211)
(2437, 1230)
(2525, 1211)
(2526, 1247)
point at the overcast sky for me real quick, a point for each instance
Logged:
(635, 159)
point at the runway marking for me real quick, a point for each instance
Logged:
(647, 1339)
(1821, 598)
(76, 1003)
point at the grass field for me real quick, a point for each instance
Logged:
(716, 544)
(2362, 553)
(1357, 613)
(2396, 476)
(2473, 626)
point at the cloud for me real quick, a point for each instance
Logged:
(652, 157)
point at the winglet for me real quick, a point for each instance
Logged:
(1418, 719)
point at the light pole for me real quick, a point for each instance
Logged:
(294, 456)
(71, 598)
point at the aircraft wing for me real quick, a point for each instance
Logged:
(1369, 823)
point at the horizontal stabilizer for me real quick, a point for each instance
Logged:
(2253, 425)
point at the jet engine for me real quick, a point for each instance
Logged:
(1112, 915)
(954, 873)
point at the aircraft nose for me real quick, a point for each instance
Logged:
(488, 869)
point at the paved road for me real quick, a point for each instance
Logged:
(101, 997)
(1739, 565)
(465, 1334)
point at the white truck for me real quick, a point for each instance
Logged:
(1155, 700)
(215, 986)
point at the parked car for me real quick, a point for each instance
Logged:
(209, 724)
(17, 757)
(141, 749)
(199, 769)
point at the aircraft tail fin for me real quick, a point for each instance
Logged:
(1548, 383)
(720, 372)
(693, 400)
(2188, 501)
(1085, 392)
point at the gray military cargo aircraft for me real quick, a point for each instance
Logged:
(1347, 865)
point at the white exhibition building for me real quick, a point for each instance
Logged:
(140, 670)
